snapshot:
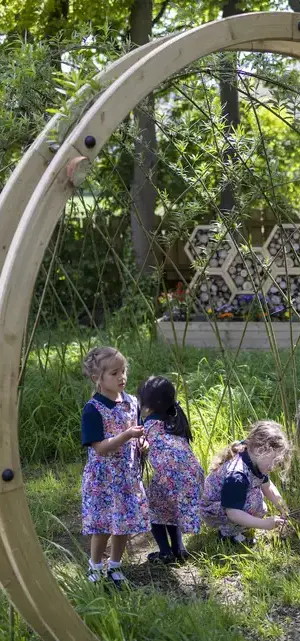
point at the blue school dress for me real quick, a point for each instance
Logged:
(113, 496)
(237, 485)
(176, 485)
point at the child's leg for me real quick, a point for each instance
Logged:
(214, 515)
(181, 543)
(118, 544)
(230, 529)
(159, 532)
(98, 547)
(176, 539)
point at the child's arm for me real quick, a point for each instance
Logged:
(271, 493)
(246, 520)
(110, 445)
(233, 498)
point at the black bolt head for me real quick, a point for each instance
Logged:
(7, 475)
(54, 147)
(90, 142)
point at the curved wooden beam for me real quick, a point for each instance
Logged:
(25, 573)
(283, 47)
(24, 179)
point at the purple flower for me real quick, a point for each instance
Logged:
(246, 298)
(264, 299)
(278, 309)
(224, 308)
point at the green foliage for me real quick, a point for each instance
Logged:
(224, 593)
(54, 494)
(221, 400)
(49, 18)
(85, 282)
(26, 90)
(93, 275)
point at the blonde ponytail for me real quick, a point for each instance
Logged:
(98, 360)
(227, 454)
(265, 437)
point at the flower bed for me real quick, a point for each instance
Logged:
(241, 322)
(180, 305)
(254, 335)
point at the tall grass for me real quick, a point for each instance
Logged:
(220, 404)
(246, 595)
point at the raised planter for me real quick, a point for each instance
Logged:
(203, 334)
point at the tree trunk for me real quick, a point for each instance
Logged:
(294, 5)
(230, 103)
(143, 192)
(57, 18)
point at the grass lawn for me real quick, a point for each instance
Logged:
(223, 592)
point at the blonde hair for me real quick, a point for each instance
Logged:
(265, 437)
(99, 359)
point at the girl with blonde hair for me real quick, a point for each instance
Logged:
(235, 489)
(114, 502)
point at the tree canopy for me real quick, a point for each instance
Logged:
(170, 163)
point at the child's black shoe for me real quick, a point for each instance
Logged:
(157, 557)
(95, 573)
(117, 578)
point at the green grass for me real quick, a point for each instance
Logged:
(140, 616)
(245, 594)
(222, 399)
(54, 494)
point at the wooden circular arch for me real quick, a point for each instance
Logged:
(24, 573)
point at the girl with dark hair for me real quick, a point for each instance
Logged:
(175, 488)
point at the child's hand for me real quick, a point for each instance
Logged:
(273, 522)
(283, 509)
(136, 432)
(143, 444)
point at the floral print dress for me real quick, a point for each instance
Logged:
(212, 510)
(113, 496)
(175, 488)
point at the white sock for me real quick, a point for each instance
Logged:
(112, 565)
(96, 566)
(239, 538)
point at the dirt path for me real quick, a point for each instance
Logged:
(182, 579)
(185, 581)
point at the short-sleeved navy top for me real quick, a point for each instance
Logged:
(236, 485)
(92, 429)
